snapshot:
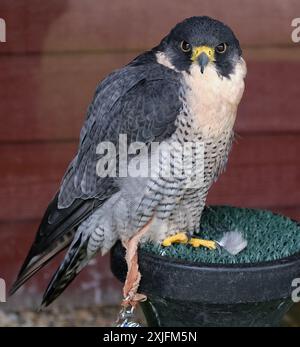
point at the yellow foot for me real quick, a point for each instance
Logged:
(182, 238)
(178, 238)
(204, 243)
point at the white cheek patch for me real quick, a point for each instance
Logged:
(162, 59)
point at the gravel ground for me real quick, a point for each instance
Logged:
(94, 317)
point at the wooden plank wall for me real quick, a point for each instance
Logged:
(55, 54)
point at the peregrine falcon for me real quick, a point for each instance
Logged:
(184, 91)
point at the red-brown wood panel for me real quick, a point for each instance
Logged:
(263, 171)
(31, 174)
(292, 211)
(35, 25)
(271, 97)
(46, 97)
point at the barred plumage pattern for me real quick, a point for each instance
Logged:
(175, 205)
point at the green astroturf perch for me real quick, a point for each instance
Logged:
(269, 237)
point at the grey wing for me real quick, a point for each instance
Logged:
(141, 101)
(145, 111)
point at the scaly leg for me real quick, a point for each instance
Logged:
(133, 277)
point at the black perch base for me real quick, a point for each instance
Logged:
(176, 313)
(186, 294)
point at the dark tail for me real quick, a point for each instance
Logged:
(55, 233)
(74, 261)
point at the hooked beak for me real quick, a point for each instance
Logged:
(203, 60)
(203, 55)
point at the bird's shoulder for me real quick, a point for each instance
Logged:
(143, 68)
(125, 99)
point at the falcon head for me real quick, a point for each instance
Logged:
(204, 41)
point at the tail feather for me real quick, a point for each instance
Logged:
(55, 233)
(37, 263)
(74, 261)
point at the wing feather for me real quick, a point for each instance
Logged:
(140, 100)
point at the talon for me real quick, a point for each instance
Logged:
(205, 243)
(178, 238)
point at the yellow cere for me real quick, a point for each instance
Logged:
(210, 52)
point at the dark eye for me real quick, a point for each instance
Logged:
(221, 48)
(185, 46)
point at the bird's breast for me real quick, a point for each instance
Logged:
(211, 100)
